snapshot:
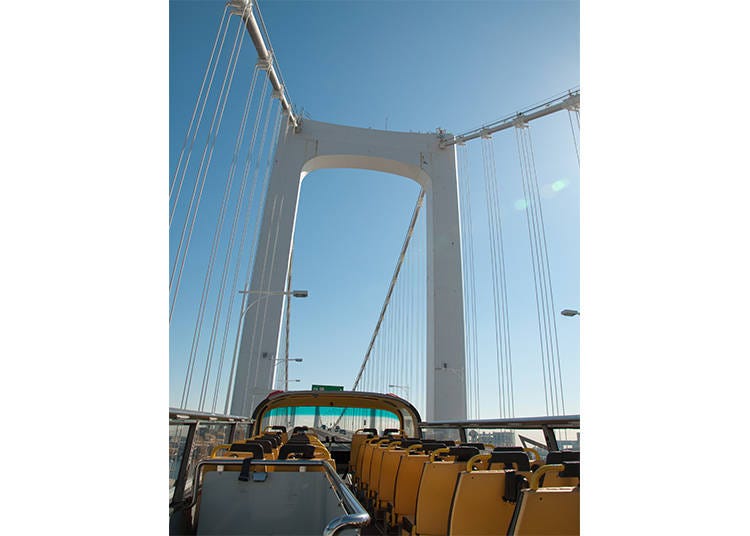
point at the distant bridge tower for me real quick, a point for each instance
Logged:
(418, 157)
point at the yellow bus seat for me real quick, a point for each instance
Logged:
(484, 501)
(368, 454)
(509, 459)
(542, 511)
(376, 465)
(359, 437)
(408, 476)
(281, 430)
(388, 470)
(436, 489)
(269, 453)
(406, 486)
(553, 479)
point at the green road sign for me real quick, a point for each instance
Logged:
(327, 387)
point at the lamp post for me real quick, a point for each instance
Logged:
(286, 375)
(570, 312)
(263, 295)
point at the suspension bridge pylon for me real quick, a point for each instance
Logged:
(310, 146)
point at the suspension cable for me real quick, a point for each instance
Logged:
(545, 250)
(521, 155)
(238, 210)
(575, 142)
(241, 206)
(229, 248)
(208, 149)
(204, 98)
(405, 246)
(252, 251)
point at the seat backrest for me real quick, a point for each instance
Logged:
(282, 432)
(273, 438)
(368, 454)
(300, 450)
(480, 446)
(545, 511)
(359, 462)
(463, 453)
(429, 445)
(358, 440)
(477, 506)
(264, 443)
(509, 460)
(435, 494)
(555, 479)
(256, 449)
(406, 486)
(376, 465)
(299, 438)
(388, 470)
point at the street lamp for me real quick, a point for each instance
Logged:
(286, 373)
(570, 312)
(266, 294)
(263, 294)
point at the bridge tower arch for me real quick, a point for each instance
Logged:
(417, 156)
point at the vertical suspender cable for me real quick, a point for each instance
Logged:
(527, 211)
(242, 204)
(492, 222)
(534, 202)
(274, 210)
(230, 247)
(252, 253)
(208, 150)
(266, 287)
(467, 256)
(548, 272)
(468, 239)
(543, 290)
(201, 97)
(575, 142)
(217, 235)
(503, 290)
(210, 142)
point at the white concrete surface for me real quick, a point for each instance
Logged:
(412, 155)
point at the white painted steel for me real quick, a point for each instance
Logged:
(570, 101)
(244, 8)
(312, 146)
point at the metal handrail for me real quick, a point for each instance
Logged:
(356, 515)
(554, 421)
(185, 415)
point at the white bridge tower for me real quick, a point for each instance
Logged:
(311, 146)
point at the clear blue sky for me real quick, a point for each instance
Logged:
(418, 66)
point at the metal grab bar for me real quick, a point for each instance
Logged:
(356, 515)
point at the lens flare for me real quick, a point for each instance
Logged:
(520, 204)
(559, 185)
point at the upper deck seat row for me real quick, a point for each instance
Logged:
(438, 488)
(274, 444)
